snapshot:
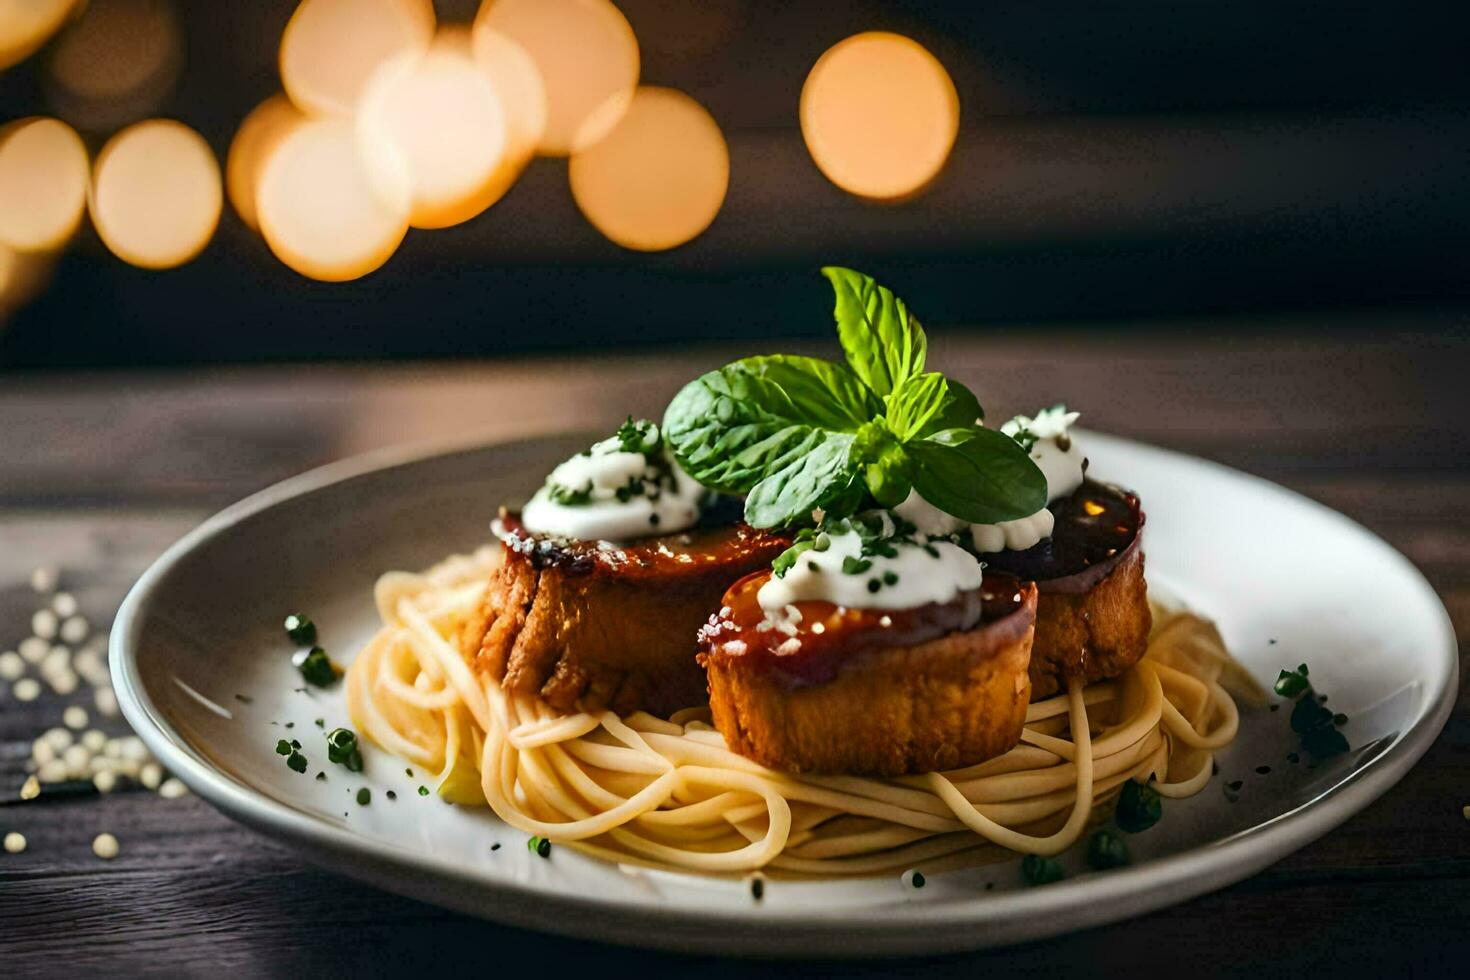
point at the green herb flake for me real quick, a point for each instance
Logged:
(300, 629)
(321, 777)
(364, 796)
(342, 748)
(283, 747)
(316, 667)
(1106, 850)
(855, 566)
(1291, 683)
(423, 791)
(1038, 870)
(296, 761)
(890, 578)
(1139, 807)
(539, 846)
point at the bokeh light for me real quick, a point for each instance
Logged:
(25, 25)
(879, 115)
(258, 136)
(522, 96)
(117, 62)
(588, 59)
(319, 211)
(659, 178)
(23, 275)
(43, 183)
(331, 48)
(156, 195)
(440, 115)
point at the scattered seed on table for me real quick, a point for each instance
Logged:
(14, 843)
(105, 846)
(74, 717)
(45, 624)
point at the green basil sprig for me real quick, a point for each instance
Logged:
(794, 434)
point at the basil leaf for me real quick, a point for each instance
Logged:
(823, 477)
(884, 344)
(928, 403)
(733, 427)
(978, 475)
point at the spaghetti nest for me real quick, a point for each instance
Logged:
(667, 792)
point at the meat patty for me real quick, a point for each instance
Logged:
(1092, 617)
(587, 626)
(869, 691)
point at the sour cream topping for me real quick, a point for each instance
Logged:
(918, 573)
(1060, 460)
(599, 513)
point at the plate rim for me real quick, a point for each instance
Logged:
(916, 928)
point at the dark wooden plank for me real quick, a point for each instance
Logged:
(196, 894)
(1265, 400)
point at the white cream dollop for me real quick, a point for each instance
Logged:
(601, 472)
(1062, 467)
(913, 577)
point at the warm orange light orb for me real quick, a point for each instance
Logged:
(659, 178)
(117, 62)
(318, 210)
(522, 92)
(588, 59)
(258, 136)
(26, 24)
(43, 184)
(879, 115)
(156, 194)
(439, 114)
(331, 48)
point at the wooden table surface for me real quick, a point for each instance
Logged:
(1367, 413)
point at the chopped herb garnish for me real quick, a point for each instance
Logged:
(392, 795)
(317, 667)
(300, 629)
(321, 777)
(1309, 719)
(890, 578)
(874, 585)
(342, 748)
(283, 747)
(290, 724)
(364, 796)
(855, 566)
(1038, 870)
(495, 846)
(423, 791)
(321, 723)
(1106, 850)
(408, 773)
(757, 888)
(1290, 684)
(1139, 807)
(539, 846)
(296, 761)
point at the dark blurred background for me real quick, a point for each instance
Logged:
(1125, 160)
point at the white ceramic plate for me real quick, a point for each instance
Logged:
(203, 673)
